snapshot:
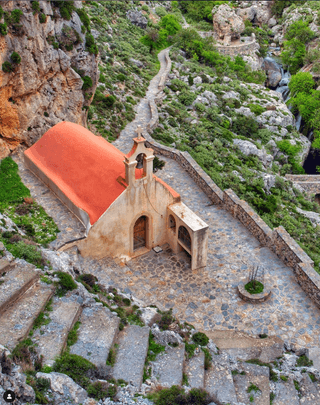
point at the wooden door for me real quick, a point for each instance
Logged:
(140, 233)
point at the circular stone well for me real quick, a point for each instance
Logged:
(253, 298)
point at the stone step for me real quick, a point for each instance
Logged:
(245, 347)
(257, 375)
(18, 319)
(285, 393)
(131, 354)
(52, 338)
(219, 381)
(194, 369)
(16, 282)
(310, 394)
(96, 334)
(168, 366)
(4, 265)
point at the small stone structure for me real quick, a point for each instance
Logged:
(227, 27)
(253, 298)
(125, 208)
(309, 183)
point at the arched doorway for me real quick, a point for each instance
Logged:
(140, 233)
(184, 237)
(317, 198)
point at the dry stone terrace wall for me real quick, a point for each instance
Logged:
(234, 50)
(278, 240)
(309, 183)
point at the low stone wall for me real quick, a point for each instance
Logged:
(154, 122)
(286, 248)
(309, 183)
(166, 72)
(234, 50)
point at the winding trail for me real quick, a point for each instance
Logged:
(143, 114)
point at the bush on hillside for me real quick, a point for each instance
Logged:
(87, 83)
(3, 29)
(7, 67)
(301, 82)
(15, 57)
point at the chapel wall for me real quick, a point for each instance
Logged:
(112, 234)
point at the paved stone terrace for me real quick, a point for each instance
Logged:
(207, 297)
(69, 225)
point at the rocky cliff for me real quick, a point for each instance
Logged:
(44, 88)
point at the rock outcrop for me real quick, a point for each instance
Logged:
(43, 89)
(137, 18)
(273, 72)
(227, 25)
(258, 12)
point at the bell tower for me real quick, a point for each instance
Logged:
(139, 157)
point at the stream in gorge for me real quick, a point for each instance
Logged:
(313, 158)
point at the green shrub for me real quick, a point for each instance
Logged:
(109, 100)
(254, 287)
(1, 12)
(75, 367)
(121, 77)
(66, 283)
(3, 29)
(7, 67)
(29, 253)
(91, 47)
(145, 7)
(16, 15)
(83, 17)
(177, 396)
(301, 82)
(256, 109)
(190, 349)
(42, 18)
(187, 97)
(166, 319)
(99, 390)
(87, 83)
(15, 57)
(303, 361)
(161, 11)
(35, 6)
(200, 338)
(73, 334)
(46, 114)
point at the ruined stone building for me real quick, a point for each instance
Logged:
(126, 209)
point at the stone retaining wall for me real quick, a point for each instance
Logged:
(309, 183)
(286, 248)
(234, 50)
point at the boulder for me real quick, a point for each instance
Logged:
(231, 94)
(197, 80)
(313, 216)
(166, 336)
(227, 25)
(137, 18)
(269, 180)
(209, 95)
(273, 71)
(272, 22)
(248, 148)
(62, 385)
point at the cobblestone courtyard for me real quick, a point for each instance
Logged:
(207, 297)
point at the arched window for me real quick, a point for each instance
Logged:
(172, 223)
(184, 237)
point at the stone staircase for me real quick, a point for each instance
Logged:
(23, 296)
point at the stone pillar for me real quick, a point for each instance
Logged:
(148, 167)
(130, 168)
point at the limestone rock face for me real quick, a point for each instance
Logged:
(226, 23)
(137, 18)
(255, 11)
(248, 148)
(45, 80)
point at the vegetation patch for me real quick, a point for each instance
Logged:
(73, 334)
(75, 367)
(254, 287)
(303, 361)
(65, 284)
(100, 390)
(200, 339)
(177, 396)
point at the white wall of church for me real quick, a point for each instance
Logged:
(112, 234)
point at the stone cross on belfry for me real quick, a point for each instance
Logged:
(139, 131)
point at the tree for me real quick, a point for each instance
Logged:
(279, 5)
(300, 30)
(301, 82)
(150, 39)
(293, 55)
(170, 23)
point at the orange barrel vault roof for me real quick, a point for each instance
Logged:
(84, 166)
